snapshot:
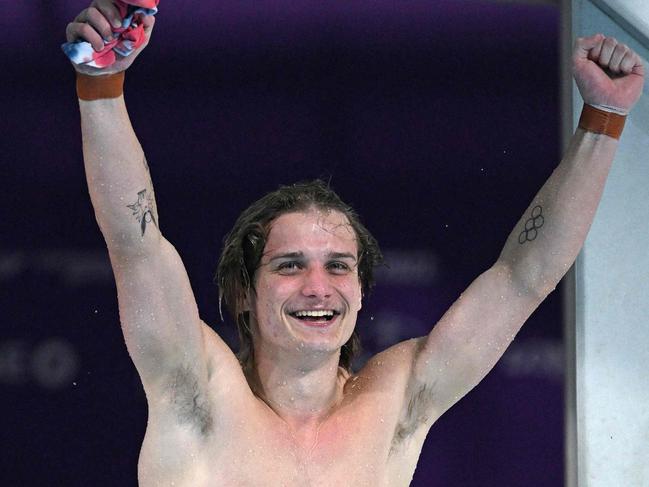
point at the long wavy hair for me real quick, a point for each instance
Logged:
(244, 245)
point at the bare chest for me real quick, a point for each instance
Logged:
(350, 449)
(341, 453)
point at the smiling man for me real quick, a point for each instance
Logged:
(290, 411)
(302, 309)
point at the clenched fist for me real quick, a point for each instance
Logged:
(101, 24)
(608, 73)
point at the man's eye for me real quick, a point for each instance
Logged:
(338, 267)
(289, 266)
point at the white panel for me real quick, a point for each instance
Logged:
(612, 300)
(633, 15)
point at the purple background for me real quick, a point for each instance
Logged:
(438, 121)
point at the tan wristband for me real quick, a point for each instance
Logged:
(601, 122)
(98, 87)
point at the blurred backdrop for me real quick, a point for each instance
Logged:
(438, 121)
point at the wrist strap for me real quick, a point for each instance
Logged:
(601, 122)
(98, 87)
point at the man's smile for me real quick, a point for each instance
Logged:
(319, 317)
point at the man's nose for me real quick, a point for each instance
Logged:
(317, 283)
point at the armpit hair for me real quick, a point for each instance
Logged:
(418, 412)
(420, 407)
(189, 402)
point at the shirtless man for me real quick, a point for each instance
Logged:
(292, 413)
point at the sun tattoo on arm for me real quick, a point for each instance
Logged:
(143, 210)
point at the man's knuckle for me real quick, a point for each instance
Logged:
(91, 14)
(70, 32)
(81, 16)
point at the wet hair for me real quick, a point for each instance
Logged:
(244, 246)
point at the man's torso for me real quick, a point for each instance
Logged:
(206, 441)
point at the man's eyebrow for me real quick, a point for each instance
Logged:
(300, 255)
(341, 255)
(287, 255)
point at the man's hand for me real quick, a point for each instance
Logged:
(94, 25)
(608, 73)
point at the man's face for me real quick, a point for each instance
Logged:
(308, 292)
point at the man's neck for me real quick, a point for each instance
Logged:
(303, 393)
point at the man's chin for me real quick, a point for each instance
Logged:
(318, 336)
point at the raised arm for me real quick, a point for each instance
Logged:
(160, 321)
(476, 330)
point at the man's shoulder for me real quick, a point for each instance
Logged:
(392, 367)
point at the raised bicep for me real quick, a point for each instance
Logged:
(471, 337)
(158, 314)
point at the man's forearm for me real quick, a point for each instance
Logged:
(118, 177)
(551, 232)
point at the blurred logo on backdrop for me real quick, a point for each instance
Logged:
(52, 363)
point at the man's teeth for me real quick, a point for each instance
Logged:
(316, 314)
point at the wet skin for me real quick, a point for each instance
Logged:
(309, 264)
(298, 419)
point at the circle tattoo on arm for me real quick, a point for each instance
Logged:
(532, 226)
